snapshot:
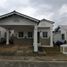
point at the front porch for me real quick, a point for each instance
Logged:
(22, 35)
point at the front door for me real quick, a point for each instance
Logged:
(38, 35)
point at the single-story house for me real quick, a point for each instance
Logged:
(27, 30)
(60, 33)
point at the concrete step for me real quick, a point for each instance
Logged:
(24, 51)
(52, 51)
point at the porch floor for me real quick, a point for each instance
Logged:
(18, 52)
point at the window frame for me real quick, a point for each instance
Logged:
(45, 35)
(28, 35)
(63, 36)
(20, 37)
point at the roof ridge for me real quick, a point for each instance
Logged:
(15, 12)
(47, 20)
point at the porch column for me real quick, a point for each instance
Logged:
(51, 38)
(35, 44)
(7, 37)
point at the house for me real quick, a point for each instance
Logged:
(60, 33)
(27, 30)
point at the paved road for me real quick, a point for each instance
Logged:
(20, 63)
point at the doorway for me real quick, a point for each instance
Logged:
(38, 35)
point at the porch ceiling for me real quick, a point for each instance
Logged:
(17, 27)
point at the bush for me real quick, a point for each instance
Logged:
(11, 41)
(40, 49)
(3, 41)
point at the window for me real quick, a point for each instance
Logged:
(63, 37)
(20, 34)
(30, 34)
(45, 34)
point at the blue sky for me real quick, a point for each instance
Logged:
(54, 10)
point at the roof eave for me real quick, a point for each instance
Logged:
(14, 12)
(48, 21)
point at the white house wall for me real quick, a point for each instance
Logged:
(48, 27)
(63, 31)
(44, 30)
(57, 37)
(45, 24)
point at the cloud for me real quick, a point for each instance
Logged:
(27, 10)
(63, 9)
(55, 10)
(54, 3)
(2, 3)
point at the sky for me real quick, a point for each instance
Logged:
(54, 10)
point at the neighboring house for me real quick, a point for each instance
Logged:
(60, 33)
(27, 30)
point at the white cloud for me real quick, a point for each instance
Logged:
(50, 9)
(63, 9)
(46, 15)
(27, 10)
(2, 3)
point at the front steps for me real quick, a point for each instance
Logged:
(52, 50)
(24, 51)
(28, 51)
